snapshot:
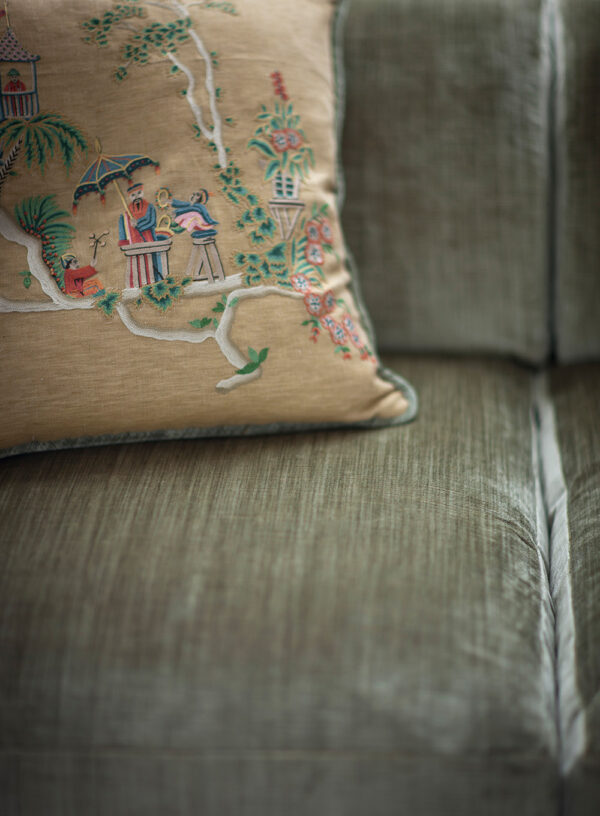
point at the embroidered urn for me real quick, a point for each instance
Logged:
(286, 157)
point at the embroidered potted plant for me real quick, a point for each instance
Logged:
(287, 157)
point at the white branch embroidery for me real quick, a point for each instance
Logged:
(213, 134)
(221, 335)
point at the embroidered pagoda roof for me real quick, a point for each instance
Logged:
(12, 51)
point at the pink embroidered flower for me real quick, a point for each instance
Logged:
(313, 231)
(329, 301)
(294, 139)
(313, 304)
(326, 233)
(300, 283)
(279, 141)
(314, 253)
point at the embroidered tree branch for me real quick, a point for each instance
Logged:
(165, 39)
(57, 301)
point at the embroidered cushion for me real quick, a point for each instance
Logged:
(171, 255)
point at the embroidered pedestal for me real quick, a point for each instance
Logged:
(205, 262)
(285, 205)
(143, 260)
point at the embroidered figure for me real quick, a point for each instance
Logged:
(15, 100)
(137, 226)
(193, 216)
(145, 249)
(78, 279)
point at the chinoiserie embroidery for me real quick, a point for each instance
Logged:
(285, 253)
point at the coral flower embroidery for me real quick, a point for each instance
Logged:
(314, 304)
(328, 323)
(348, 323)
(314, 253)
(294, 139)
(326, 233)
(279, 141)
(329, 301)
(313, 231)
(300, 283)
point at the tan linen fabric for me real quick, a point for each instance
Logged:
(73, 371)
(578, 283)
(446, 166)
(576, 394)
(303, 623)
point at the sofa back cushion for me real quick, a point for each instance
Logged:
(445, 155)
(577, 290)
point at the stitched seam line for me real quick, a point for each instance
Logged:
(569, 705)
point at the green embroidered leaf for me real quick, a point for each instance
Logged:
(253, 354)
(263, 146)
(220, 307)
(251, 199)
(107, 302)
(277, 253)
(201, 323)
(239, 259)
(26, 278)
(272, 168)
(263, 355)
(268, 227)
(248, 368)
(233, 302)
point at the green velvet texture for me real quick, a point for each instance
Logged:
(446, 161)
(576, 395)
(343, 622)
(578, 281)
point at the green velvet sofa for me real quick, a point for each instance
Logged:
(358, 623)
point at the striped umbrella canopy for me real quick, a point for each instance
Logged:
(106, 170)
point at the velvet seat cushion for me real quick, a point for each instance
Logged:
(575, 392)
(321, 623)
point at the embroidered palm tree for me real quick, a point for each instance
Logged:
(39, 138)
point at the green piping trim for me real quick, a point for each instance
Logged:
(337, 29)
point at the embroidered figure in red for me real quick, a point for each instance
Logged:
(15, 85)
(77, 277)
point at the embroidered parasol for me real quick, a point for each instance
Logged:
(107, 170)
